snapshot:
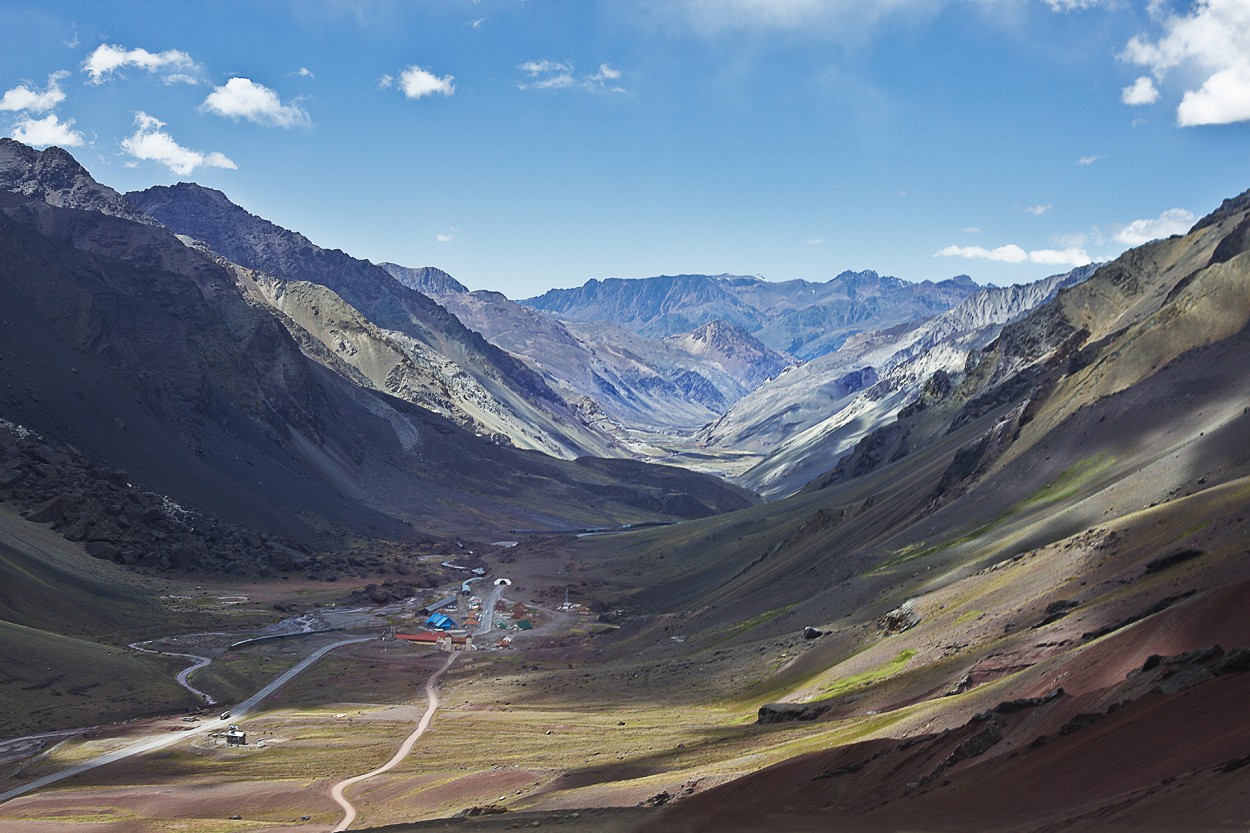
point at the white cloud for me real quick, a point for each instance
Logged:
(445, 238)
(710, 17)
(1075, 5)
(108, 58)
(150, 143)
(560, 75)
(1172, 221)
(1223, 99)
(418, 83)
(547, 75)
(1060, 257)
(23, 97)
(1011, 253)
(605, 73)
(305, 72)
(544, 66)
(477, 23)
(1037, 210)
(816, 241)
(1142, 91)
(1212, 41)
(243, 98)
(48, 130)
(1086, 161)
(972, 230)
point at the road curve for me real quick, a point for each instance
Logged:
(431, 694)
(184, 675)
(169, 739)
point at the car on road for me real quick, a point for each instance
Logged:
(225, 716)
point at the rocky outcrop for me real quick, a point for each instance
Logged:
(116, 520)
(791, 712)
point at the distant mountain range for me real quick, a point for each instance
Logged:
(619, 378)
(800, 318)
(802, 422)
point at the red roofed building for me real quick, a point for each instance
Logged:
(422, 638)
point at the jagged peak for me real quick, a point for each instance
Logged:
(1230, 206)
(54, 176)
(427, 279)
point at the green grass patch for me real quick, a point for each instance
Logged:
(1068, 483)
(865, 678)
(756, 621)
(1071, 479)
(914, 551)
(969, 616)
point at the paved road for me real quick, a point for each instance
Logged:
(488, 610)
(169, 739)
(431, 694)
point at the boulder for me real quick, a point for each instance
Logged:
(788, 712)
(50, 510)
(900, 619)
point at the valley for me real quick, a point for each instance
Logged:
(982, 563)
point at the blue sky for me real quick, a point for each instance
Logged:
(528, 144)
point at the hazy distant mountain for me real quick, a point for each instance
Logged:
(678, 383)
(431, 358)
(799, 318)
(734, 350)
(802, 421)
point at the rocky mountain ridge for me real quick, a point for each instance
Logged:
(55, 177)
(436, 359)
(800, 318)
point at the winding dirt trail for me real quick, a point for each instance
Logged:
(185, 674)
(431, 694)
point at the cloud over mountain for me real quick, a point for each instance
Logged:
(150, 142)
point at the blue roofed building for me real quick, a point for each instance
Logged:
(441, 621)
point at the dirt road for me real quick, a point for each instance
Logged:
(431, 695)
